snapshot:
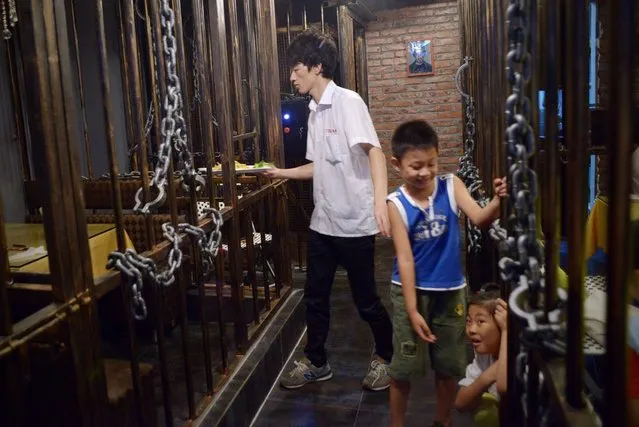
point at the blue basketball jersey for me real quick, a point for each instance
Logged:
(435, 237)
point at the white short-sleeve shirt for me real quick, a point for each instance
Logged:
(475, 369)
(342, 184)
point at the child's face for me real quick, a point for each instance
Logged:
(418, 167)
(482, 330)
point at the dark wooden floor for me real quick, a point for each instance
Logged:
(342, 401)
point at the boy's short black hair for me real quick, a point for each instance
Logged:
(413, 134)
(311, 48)
(486, 297)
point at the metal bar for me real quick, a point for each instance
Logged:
(322, 18)
(6, 326)
(132, 54)
(551, 207)
(204, 110)
(172, 193)
(117, 203)
(576, 119)
(246, 135)
(217, 25)
(236, 69)
(270, 93)
(255, 119)
(620, 126)
(250, 261)
(16, 80)
(288, 22)
(360, 63)
(52, 104)
(152, 13)
(264, 259)
(304, 18)
(85, 126)
(125, 73)
(219, 291)
(346, 47)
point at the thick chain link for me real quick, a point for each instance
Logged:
(469, 173)
(522, 260)
(138, 267)
(173, 126)
(9, 17)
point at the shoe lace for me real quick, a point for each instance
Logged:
(300, 368)
(378, 368)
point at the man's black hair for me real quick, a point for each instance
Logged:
(311, 48)
(413, 134)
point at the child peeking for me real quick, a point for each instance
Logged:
(486, 327)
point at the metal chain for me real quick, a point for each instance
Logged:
(173, 124)
(469, 173)
(522, 260)
(9, 17)
(196, 76)
(138, 267)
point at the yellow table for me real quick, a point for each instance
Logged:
(102, 241)
(597, 225)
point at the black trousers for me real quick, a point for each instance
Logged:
(357, 256)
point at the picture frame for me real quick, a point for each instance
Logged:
(420, 62)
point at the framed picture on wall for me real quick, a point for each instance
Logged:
(420, 58)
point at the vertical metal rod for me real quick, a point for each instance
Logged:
(551, 206)
(85, 126)
(16, 79)
(6, 326)
(138, 109)
(128, 108)
(265, 267)
(270, 94)
(217, 25)
(288, 22)
(154, 33)
(172, 197)
(532, 418)
(250, 261)
(204, 109)
(576, 120)
(322, 19)
(236, 68)
(219, 290)
(255, 118)
(304, 18)
(620, 127)
(107, 111)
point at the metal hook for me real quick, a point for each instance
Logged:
(465, 65)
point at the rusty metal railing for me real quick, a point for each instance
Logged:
(253, 213)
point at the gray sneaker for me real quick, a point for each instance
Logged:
(377, 378)
(305, 372)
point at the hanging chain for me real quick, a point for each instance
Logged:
(196, 76)
(9, 17)
(469, 173)
(137, 267)
(173, 124)
(521, 263)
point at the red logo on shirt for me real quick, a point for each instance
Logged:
(331, 131)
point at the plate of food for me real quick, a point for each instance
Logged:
(242, 167)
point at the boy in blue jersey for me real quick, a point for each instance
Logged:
(428, 291)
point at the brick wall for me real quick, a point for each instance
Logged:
(395, 98)
(603, 74)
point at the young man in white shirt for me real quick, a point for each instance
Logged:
(350, 185)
